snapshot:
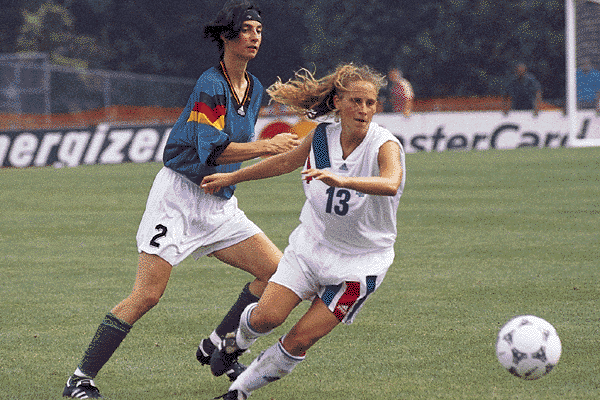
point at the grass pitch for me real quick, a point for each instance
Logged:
(483, 236)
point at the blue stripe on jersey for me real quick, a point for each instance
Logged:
(371, 284)
(330, 292)
(320, 147)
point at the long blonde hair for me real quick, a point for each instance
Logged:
(314, 97)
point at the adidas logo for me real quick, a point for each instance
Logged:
(344, 167)
(343, 308)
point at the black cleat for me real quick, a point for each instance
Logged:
(204, 353)
(81, 388)
(224, 357)
(232, 395)
(235, 370)
(205, 350)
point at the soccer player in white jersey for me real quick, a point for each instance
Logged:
(213, 134)
(353, 177)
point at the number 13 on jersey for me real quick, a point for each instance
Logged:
(343, 197)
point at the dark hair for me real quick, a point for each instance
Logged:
(229, 20)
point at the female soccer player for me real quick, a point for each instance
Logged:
(213, 134)
(339, 254)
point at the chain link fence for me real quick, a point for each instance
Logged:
(29, 84)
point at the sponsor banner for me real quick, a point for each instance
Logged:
(466, 130)
(105, 144)
(102, 144)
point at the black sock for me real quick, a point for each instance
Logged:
(232, 320)
(108, 337)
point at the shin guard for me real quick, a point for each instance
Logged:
(270, 366)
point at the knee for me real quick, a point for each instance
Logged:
(146, 299)
(268, 266)
(296, 344)
(264, 320)
(266, 271)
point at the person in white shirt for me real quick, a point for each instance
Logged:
(353, 177)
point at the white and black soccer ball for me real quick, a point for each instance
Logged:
(528, 347)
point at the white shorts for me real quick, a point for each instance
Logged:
(180, 219)
(342, 281)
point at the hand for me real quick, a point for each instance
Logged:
(283, 143)
(324, 176)
(213, 183)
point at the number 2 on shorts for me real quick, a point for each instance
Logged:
(162, 233)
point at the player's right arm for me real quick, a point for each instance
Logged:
(239, 152)
(277, 165)
(202, 132)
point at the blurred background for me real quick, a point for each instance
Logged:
(110, 57)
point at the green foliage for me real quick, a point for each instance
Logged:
(51, 29)
(459, 47)
(464, 47)
(482, 236)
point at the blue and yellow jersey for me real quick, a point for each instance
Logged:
(212, 118)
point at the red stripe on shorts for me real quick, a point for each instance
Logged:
(347, 300)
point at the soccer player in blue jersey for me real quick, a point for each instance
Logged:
(354, 175)
(213, 134)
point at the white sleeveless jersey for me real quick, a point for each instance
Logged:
(347, 220)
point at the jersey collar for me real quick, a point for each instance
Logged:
(241, 106)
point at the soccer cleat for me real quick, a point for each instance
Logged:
(204, 353)
(224, 357)
(235, 370)
(81, 388)
(205, 350)
(232, 395)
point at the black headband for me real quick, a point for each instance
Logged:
(248, 15)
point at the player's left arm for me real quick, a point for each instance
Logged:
(386, 184)
(276, 165)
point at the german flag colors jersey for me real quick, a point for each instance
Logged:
(212, 118)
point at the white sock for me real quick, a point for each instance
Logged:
(80, 373)
(245, 336)
(271, 365)
(215, 339)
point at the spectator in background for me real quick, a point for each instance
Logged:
(524, 92)
(588, 86)
(398, 96)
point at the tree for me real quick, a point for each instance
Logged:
(356, 31)
(450, 47)
(158, 37)
(51, 30)
(456, 47)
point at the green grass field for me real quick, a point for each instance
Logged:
(483, 236)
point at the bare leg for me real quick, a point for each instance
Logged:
(151, 280)
(276, 303)
(315, 324)
(281, 358)
(256, 255)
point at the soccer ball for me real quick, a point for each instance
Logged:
(528, 347)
